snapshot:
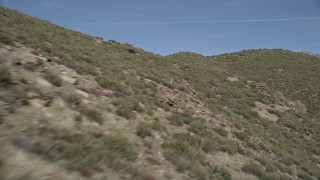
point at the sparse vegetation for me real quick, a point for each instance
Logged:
(274, 150)
(81, 150)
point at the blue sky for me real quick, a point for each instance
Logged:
(203, 26)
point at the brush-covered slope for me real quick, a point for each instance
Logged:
(296, 74)
(76, 107)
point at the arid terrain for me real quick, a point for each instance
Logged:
(74, 106)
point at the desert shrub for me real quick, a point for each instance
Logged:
(125, 111)
(241, 135)
(221, 173)
(53, 78)
(147, 144)
(112, 84)
(192, 140)
(180, 148)
(183, 150)
(267, 163)
(275, 112)
(78, 118)
(255, 169)
(221, 131)
(82, 150)
(252, 145)
(5, 77)
(126, 107)
(237, 125)
(215, 144)
(113, 147)
(304, 175)
(277, 176)
(200, 128)
(5, 40)
(72, 99)
(157, 126)
(143, 130)
(92, 114)
(180, 119)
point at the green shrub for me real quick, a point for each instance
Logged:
(255, 169)
(221, 131)
(200, 128)
(241, 135)
(221, 173)
(143, 130)
(78, 118)
(92, 114)
(192, 140)
(105, 82)
(82, 150)
(180, 148)
(277, 176)
(126, 108)
(125, 111)
(215, 144)
(5, 77)
(53, 78)
(304, 175)
(177, 119)
(5, 40)
(72, 99)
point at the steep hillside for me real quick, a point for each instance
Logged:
(74, 106)
(295, 74)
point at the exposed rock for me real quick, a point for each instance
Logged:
(98, 40)
(299, 106)
(276, 96)
(82, 93)
(43, 82)
(262, 110)
(233, 79)
(32, 95)
(42, 58)
(68, 78)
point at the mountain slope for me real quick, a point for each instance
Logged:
(295, 74)
(74, 106)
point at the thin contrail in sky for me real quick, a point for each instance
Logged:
(198, 21)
